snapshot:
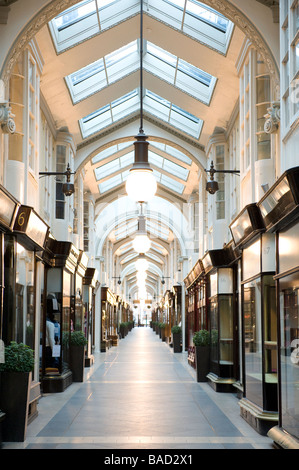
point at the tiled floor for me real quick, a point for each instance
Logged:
(140, 395)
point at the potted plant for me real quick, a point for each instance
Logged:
(162, 327)
(201, 341)
(77, 350)
(176, 331)
(16, 376)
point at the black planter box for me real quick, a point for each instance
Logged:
(77, 363)
(202, 359)
(14, 399)
(176, 342)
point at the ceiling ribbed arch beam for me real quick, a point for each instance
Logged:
(101, 239)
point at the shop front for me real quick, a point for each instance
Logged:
(259, 405)
(220, 275)
(90, 285)
(280, 211)
(196, 307)
(61, 259)
(23, 272)
(108, 318)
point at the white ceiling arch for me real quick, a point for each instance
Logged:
(122, 210)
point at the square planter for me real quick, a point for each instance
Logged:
(202, 360)
(14, 398)
(77, 362)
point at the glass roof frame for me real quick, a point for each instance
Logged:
(107, 70)
(89, 18)
(155, 105)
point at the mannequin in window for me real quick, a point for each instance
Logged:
(50, 339)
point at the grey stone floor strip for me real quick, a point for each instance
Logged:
(140, 395)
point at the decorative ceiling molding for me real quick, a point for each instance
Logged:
(223, 6)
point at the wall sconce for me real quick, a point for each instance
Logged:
(212, 185)
(67, 188)
(163, 279)
(119, 280)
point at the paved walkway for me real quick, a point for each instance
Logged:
(140, 395)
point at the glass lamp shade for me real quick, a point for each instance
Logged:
(141, 293)
(141, 264)
(141, 275)
(141, 243)
(141, 283)
(141, 185)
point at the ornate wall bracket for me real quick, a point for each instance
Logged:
(272, 118)
(6, 118)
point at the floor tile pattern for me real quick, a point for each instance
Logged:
(140, 395)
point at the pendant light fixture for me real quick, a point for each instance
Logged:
(141, 184)
(141, 263)
(141, 242)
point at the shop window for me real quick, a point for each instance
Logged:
(289, 347)
(263, 101)
(60, 168)
(33, 113)
(86, 226)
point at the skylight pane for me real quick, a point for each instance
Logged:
(207, 14)
(198, 21)
(194, 72)
(161, 54)
(167, 165)
(93, 77)
(109, 184)
(82, 21)
(113, 166)
(180, 73)
(109, 114)
(121, 54)
(172, 184)
(172, 151)
(172, 114)
(107, 169)
(177, 170)
(110, 151)
(178, 154)
(155, 159)
(169, 182)
(127, 159)
(74, 14)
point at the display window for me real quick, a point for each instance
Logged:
(260, 341)
(289, 351)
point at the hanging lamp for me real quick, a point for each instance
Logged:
(141, 184)
(141, 242)
(141, 263)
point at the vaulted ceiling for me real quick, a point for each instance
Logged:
(91, 84)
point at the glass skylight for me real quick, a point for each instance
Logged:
(111, 183)
(172, 151)
(170, 183)
(110, 151)
(172, 114)
(103, 72)
(115, 165)
(129, 103)
(194, 19)
(167, 165)
(179, 73)
(82, 21)
(109, 113)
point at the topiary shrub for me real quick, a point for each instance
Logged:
(18, 358)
